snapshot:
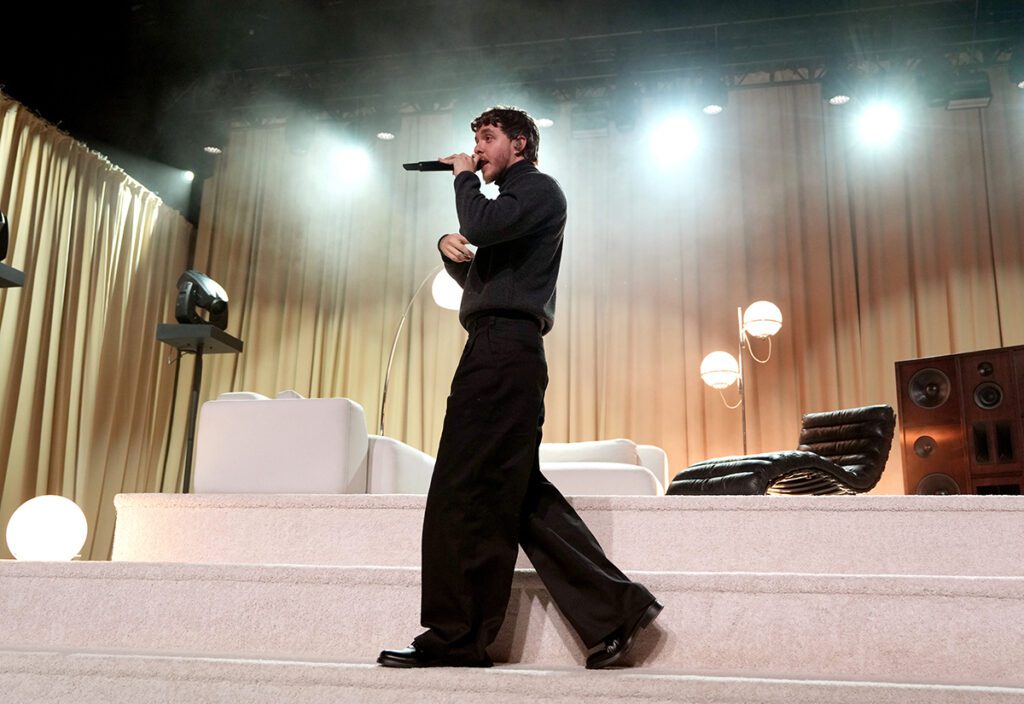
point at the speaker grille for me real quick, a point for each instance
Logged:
(929, 388)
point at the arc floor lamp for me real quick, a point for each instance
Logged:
(447, 294)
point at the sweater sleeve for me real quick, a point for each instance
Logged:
(515, 213)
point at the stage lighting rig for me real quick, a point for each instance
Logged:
(199, 336)
(197, 290)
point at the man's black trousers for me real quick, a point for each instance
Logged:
(487, 497)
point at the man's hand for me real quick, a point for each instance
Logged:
(454, 247)
(460, 162)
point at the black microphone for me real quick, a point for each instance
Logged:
(428, 166)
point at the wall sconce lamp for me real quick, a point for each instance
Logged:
(720, 370)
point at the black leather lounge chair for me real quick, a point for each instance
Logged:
(841, 452)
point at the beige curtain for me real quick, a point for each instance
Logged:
(873, 256)
(85, 388)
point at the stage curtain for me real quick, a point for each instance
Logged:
(873, 254)
(86, 391)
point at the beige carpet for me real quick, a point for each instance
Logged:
(768, 599)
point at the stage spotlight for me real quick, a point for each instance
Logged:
(350, 165)
(879, 123)
(713, 95)
(837, 86)
(197, 290)
(388, 123)
(212, 149)
(673, 140)
(188, 176)
(543, 122)
(1016, 67)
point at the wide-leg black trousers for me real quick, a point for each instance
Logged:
(487, 497)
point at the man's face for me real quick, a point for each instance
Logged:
(495, 152)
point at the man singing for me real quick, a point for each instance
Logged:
(487, 495)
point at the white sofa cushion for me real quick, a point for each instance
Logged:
(397, 468)
(618, 450)
(601, 479)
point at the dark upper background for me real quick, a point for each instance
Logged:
(160, 79)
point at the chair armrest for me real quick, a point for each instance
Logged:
(655, 459)
(397, 468)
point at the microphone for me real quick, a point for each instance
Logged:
(428, 166)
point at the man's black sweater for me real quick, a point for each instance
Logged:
(519, 240)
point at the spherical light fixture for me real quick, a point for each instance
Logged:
(446, 292)
(47, 528)
(719, 370)
(762, 319)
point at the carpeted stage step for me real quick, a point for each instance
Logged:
(935, 535)
(887, 628)
(96, 678)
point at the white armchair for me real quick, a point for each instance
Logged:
(248, 443)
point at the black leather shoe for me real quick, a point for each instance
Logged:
(618, 644)
(412, 657)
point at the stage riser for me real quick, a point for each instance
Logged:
(870, 628)
(50, 678)
(932, 535)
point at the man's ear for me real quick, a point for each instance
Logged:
(519, 144)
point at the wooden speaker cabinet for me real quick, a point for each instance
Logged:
(962, 422)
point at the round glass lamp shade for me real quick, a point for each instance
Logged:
(762, 319)
(719, 370)
(47, 528)
(446, 292)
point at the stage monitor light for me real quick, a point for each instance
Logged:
(3, 235)
(197, 290)
(47, 528)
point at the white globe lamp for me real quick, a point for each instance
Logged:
(47, 528)
(446, 292)
(719, 370)
(762, 319)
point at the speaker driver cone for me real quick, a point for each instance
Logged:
(929, 388)
(988, 395)
(924, 446)
(937, 485)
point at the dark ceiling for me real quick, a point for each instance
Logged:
(158, 77)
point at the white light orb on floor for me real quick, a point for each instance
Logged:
(446, 292)
(762, 319)
(47, 528)
(719, 370)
